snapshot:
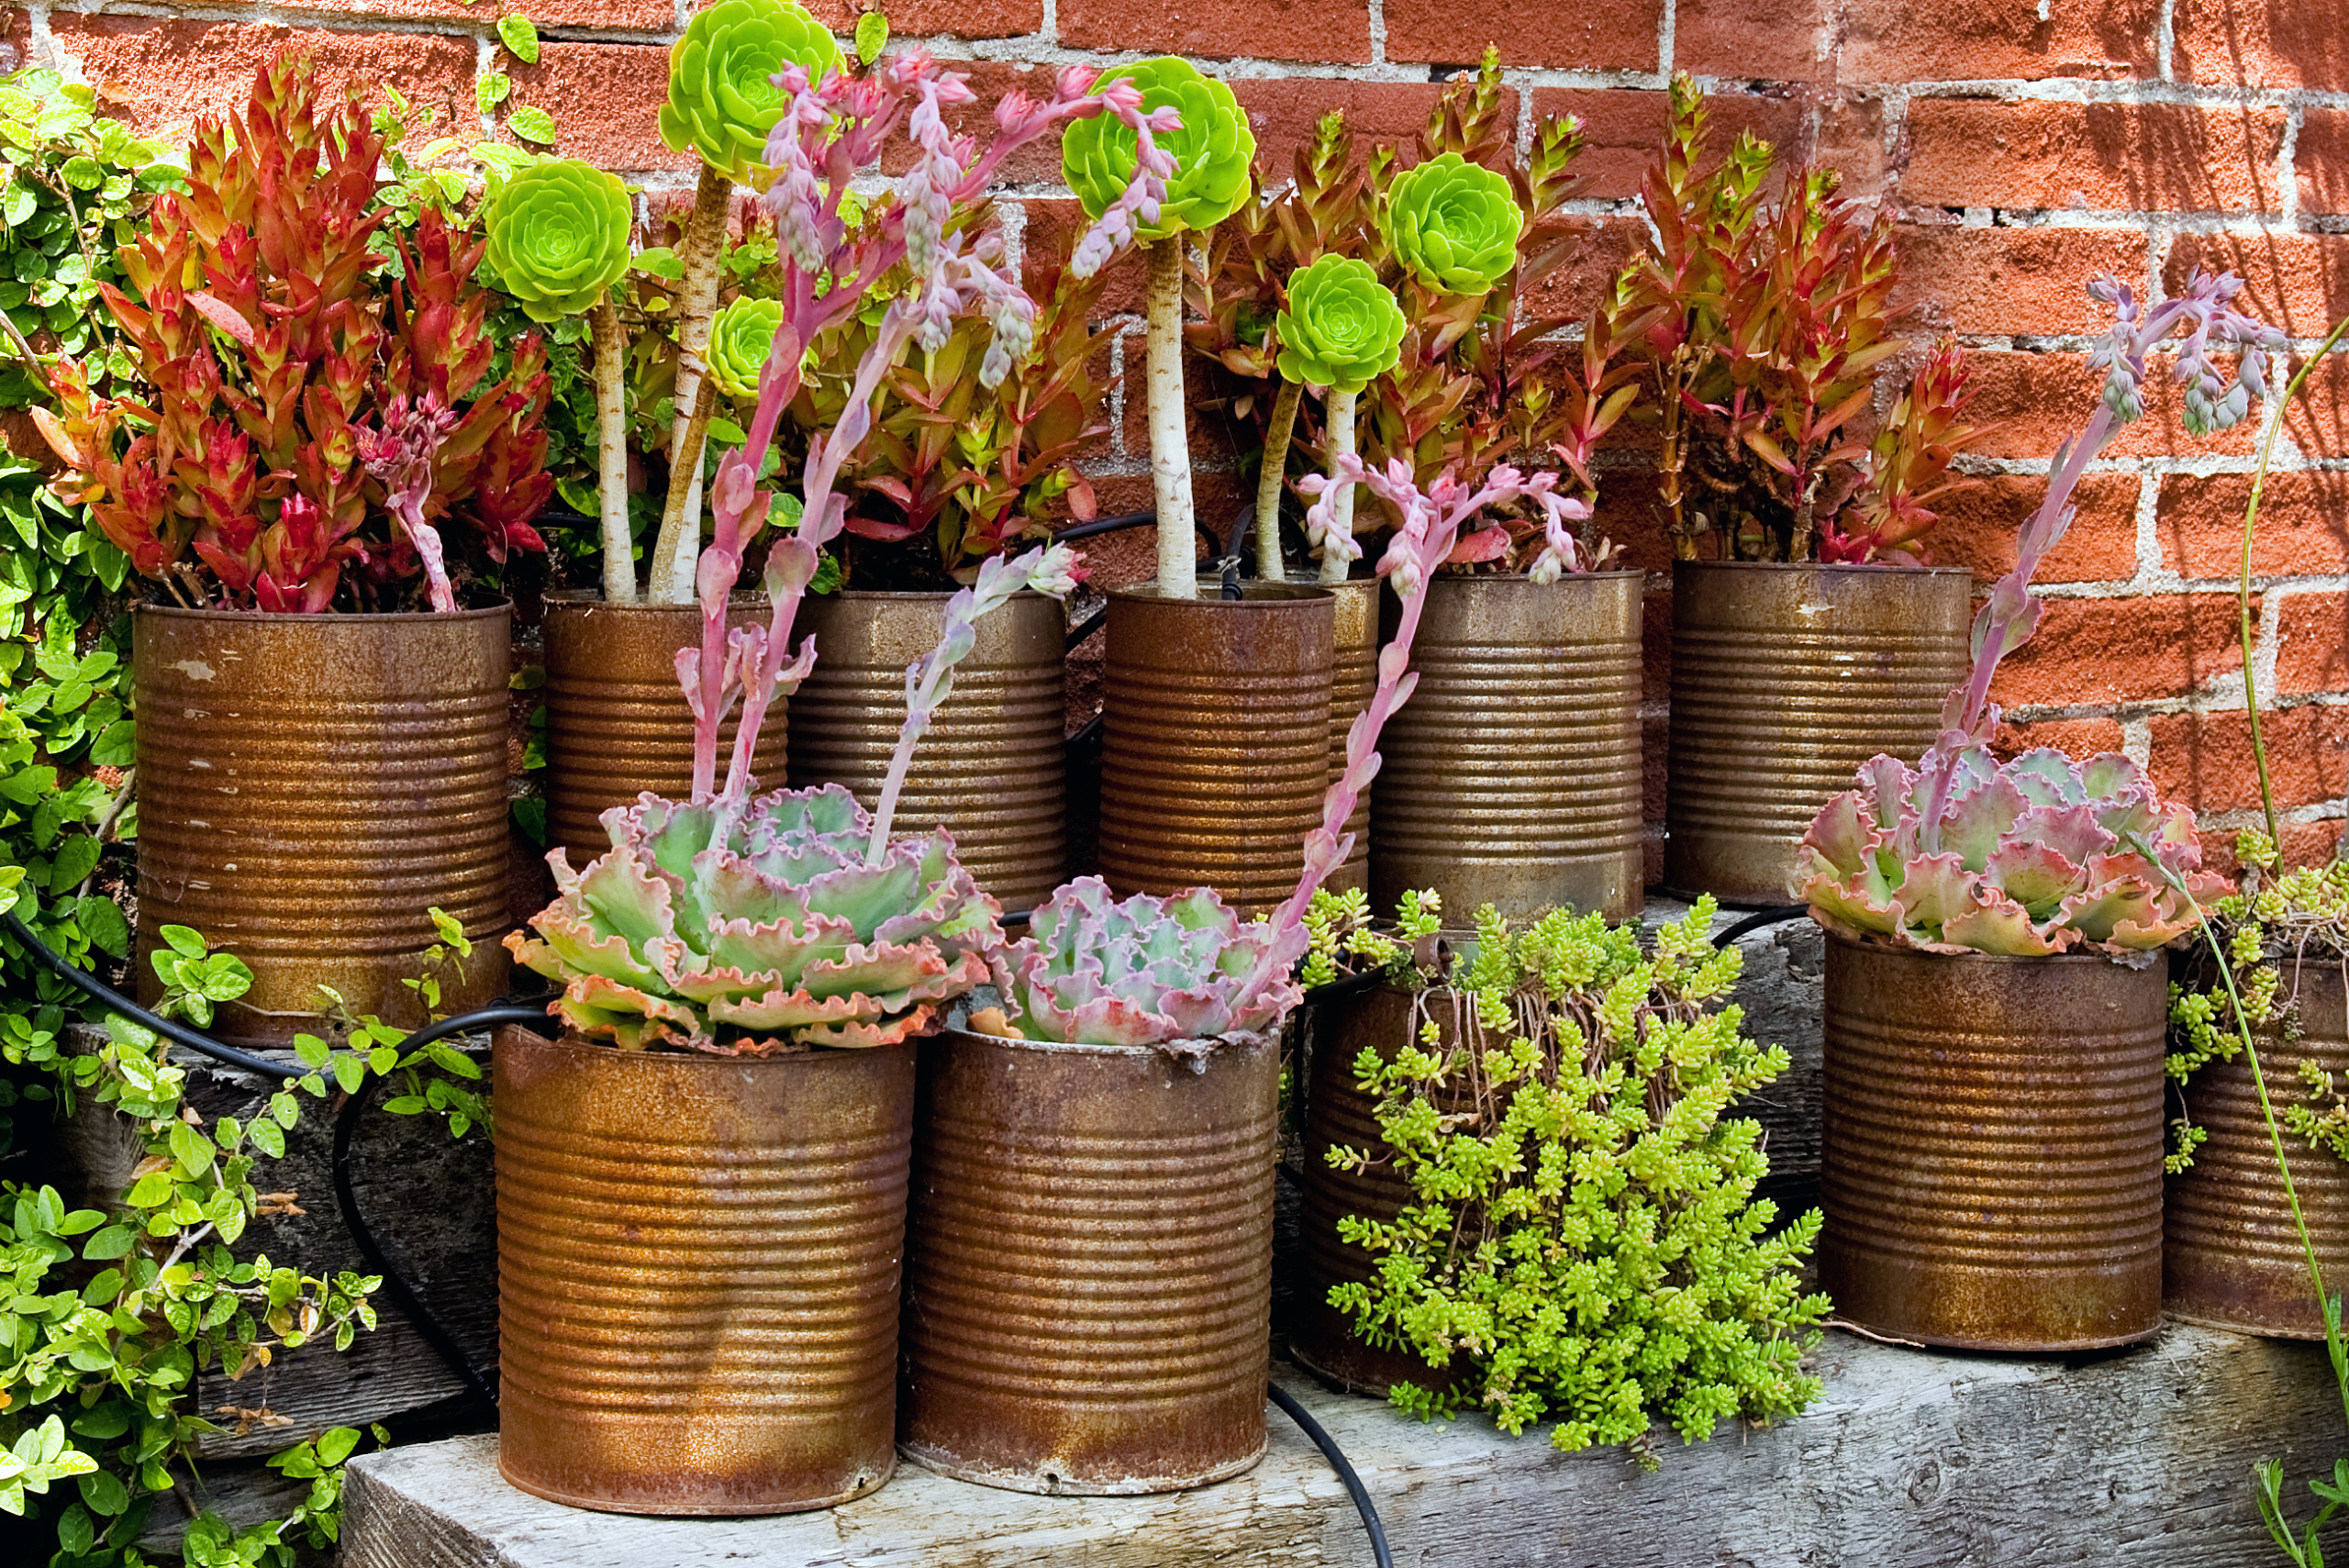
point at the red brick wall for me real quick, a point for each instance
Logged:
(2027, 145)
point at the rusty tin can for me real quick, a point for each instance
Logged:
(1512, 776)
(1214, 739)
(2231, 1255)
(1785, 677)
(1338, 1115)
(698, 1263)
(1353, 680)
(1089, 1264)
(309, 788)
(992, 767)
(616, 720)
(1992, 1154)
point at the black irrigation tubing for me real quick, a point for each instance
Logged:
(1776, 915)
(1337, 1462)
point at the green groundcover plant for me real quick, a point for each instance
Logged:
(1582, 1245)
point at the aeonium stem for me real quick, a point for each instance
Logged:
(1270, 478)
(1340, 413)
(670, 582)
(1170, 450)
(611, 453)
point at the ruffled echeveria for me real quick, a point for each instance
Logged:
(750, 928)
(1150, 971)
(1342, 328)
(1455, 224)
(2036, 857)
(557, 233)
(1211, 153)
(739, 337)
(722, 96)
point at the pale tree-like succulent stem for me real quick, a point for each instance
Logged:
(1270, 477)
(1170, 450)
(1340, 417)
(685, 484)
(611, 453)
(672, 556)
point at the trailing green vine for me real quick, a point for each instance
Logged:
(1583, 1245)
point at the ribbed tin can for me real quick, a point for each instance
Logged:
(1214, 739)
(1338, 1115)
(1992, 1154)
(698, 1261)
(309, 788)
(1089, 1264)
(993, 767)
(616, 720)
(1512, 776)
(2231, 1255)
(1353, 679)
(1784, 679)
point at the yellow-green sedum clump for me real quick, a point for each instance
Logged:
(1584, 1247)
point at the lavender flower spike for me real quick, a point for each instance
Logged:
(398, 455)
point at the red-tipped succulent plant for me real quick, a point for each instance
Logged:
(315, 429)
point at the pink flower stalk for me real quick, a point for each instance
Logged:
(832, 130)
(1458, 503)
(399, 454)
(1047, 569)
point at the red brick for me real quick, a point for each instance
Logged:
(1595, 250)
(932, 18)
(2108, 650)
(2317, 422)
(1620, 37)
(1624, 129)
(2260, 43)
(2206, 759)
(2076, 737)
(2004, 281)
(2303, 524)
(1055, 225)
(1285, 111)
(1037, 162)
(1978, 526)
(2321, 161)
(159, 73)
(1629, 515)
(1752, 40)
(2035, 401)
(1892, 40)
(1317, 30)
(1847, 135)
(2312, 643)
(632, 15)
(2299, 281)
(1656, 636)
(2125, 156)
(606, 99)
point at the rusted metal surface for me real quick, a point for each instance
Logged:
(1089, 1264)
(1512, 775)
(1992, 1168)
(309, 788)
(993, 767)
(616, 720)
(1784, 679)
(697, 1267)
(1214, 739)
(1339, 1115)
(2230, 1256)
(1353, 680)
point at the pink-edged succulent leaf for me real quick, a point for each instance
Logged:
(2005, 927)
(2035, 873)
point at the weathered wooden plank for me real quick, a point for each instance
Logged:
(1912, 1459)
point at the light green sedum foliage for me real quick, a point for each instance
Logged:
(1211, 151)
(1584, 1247)
(1342, 328)
(1454, 224)
(722, 100)
(557, 234)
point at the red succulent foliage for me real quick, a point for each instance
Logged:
(282, 365)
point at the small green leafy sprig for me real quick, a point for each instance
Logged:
(1582, 1245)
(1343, 941)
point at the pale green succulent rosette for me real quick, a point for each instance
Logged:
(557, 235)
(739, 340)
(1342, 328)
(722, 99)
(1211, 153)
(1455, 224)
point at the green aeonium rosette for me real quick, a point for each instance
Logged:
(557, 235)
(1211, 153)
(739, 340)
(1342, 328)
(722, 98)
(1454, 224)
